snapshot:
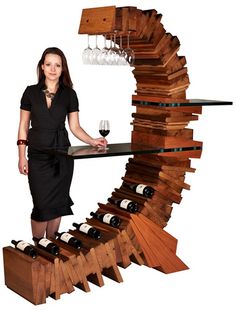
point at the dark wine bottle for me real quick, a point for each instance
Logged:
(25, 247)
(107, 218)
(47, 245)
(70, 239)
(88, 230)
(142, 189)
(126, 204)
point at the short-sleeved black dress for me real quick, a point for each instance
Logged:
(49, 175)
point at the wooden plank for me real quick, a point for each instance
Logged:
(168, 239)
(150, 258)
(132, 19)
(94, 275)
(40, 292)
(97, 20)
(133, 253)
(168, 261)
(162, 163)
(181, 184)
(182, 155)
(48, 266)
(24, 275)
(112, 272)
(162, 141)
(66, 276)
(165, 116)
(82, 283)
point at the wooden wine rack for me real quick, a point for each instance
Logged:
(161, 118)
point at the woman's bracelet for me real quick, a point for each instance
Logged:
(22, 142)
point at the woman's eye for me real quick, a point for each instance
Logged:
(58, 66)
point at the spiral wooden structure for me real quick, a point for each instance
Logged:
(161, 76)
(161, 119)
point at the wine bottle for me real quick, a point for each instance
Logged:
(70, 239)
(88, 230)
(47, 245)
(25, 247)
(126, 204)
(107, 218)
(142, 189)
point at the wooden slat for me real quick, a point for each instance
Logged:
(167, 261)
(24, 275)
(97, 20)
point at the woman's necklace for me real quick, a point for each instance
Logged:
(49, 94)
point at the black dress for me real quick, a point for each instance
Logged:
(49, 175)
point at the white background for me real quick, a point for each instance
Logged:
(204, 222)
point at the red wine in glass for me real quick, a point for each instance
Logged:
(104, 132)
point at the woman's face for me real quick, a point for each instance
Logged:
(52, 67)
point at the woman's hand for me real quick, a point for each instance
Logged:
(99, 142)
(23, 166)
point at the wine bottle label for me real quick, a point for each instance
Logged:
(44, 242)
(85, 228)
(124, 203)
(107, 218)
(66, 237)
(22, 245)
(140, 188)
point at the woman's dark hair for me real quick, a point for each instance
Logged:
(65, 75)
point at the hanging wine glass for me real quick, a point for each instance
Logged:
(95, 52)
(130, 57)
(110, 53)
(115, 51)
(122, 54)
(87, 53)
(102, 56)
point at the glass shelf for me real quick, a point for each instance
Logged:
(117, 149)
(168, 103)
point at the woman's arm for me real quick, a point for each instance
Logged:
(78, 131)
(23, 134)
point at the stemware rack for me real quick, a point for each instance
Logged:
(161, 118)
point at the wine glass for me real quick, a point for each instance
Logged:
(102, 56)
(104, 129)
(87, 53)
(122, 54)
(95, 52)
(130, 56)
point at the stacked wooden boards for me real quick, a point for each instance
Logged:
(158, 69)
(162, 80)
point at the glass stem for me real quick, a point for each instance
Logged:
(110, 41)
(115, 38)
(121, 42)
(105, 41)
(128, 39)
(88, 41)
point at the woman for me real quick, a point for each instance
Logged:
(45, 106)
